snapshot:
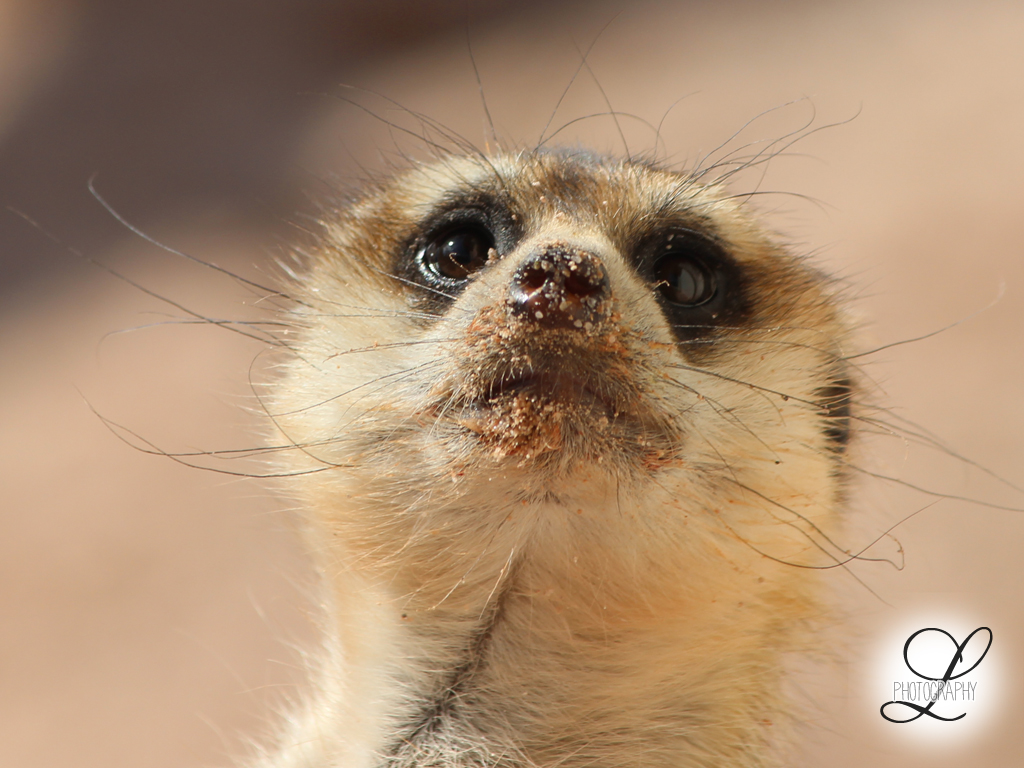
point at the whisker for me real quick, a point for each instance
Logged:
(543, 139)
(356, 388)
(931, 334)
(164, 247)
(150, 448)
(480, 88)
(395, 345)
(927, 492)
(607, 101)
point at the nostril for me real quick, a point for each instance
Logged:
(583, 282)
(560, 287)
(532, 278)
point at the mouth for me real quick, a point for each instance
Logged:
(560, 418)
(553, 413)
(557, 388)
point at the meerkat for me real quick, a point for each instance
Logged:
(569, 434)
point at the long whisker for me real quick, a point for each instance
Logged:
(371, 382)
(146, 446)
(543, 139)
(998, 298)
(169, 249)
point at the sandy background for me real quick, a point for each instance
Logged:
(150, 613)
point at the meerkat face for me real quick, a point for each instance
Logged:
(560, 315)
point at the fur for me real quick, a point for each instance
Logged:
(536, 579)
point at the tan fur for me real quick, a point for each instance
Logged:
(540, 581)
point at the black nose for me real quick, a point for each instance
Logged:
(560, 287)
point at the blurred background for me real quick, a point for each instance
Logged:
(153, 615)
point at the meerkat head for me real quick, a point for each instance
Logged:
(567, 428)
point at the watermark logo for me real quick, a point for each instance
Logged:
(938, 661)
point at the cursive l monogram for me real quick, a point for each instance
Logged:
(958, 657)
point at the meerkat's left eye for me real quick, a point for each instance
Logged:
(684, 279)
(456, 253)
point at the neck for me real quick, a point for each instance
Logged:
(481, 644)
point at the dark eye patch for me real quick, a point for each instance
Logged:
(447, 249)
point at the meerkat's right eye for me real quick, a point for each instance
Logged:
(455, 254)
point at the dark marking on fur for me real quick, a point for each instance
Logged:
(836, 403)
